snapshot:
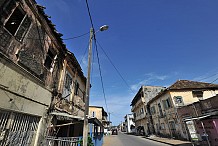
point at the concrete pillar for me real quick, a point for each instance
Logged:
(40, 133)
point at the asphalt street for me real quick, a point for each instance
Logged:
(129, 140)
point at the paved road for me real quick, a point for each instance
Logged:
(129, 140)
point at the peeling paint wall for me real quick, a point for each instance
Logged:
(19, 84)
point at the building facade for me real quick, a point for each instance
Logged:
(67, 108)
(164, 107)
(129, 124)
(201, 120)
(99, 113)
(41, 83)
(139, 107)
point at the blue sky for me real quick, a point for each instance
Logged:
(151, 42)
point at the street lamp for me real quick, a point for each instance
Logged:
(86, 113)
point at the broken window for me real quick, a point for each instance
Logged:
(178, 100)
(18, 23)
(76, 88)
(49, 59)
(68, 82)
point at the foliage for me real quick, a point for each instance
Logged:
(90, 143)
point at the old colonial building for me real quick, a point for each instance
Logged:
(67, 108)
(164, 107)
(139, 107)
(41, 83)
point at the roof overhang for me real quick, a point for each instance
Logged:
(66, 116)
(196, 118)
(95, 121)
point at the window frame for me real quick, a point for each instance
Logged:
(178, 100)
(25, 19)
(52, 59)
(68, 81)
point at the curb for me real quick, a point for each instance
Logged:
(185, 144)
(160, 141)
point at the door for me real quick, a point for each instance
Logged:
(17, 128)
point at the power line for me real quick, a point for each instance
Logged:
(208, 77)
(102, 84)
(214, 80)
(76, 36)
(115, 68)
(71, 38)
(90, 17)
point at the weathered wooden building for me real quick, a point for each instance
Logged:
(36, 75)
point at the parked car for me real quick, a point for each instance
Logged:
(114, 132)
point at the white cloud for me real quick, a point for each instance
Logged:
(150, 78)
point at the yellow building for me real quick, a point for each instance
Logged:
(99, 113)
(163, 107)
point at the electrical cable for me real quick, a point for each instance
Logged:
(71, 38)
(207, 77)
(115, 68)
(90, 17)
(76, 36)
(102, 84)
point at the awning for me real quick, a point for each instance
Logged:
(196, 118)
(95, 121)
(69, 117)
(66, 116)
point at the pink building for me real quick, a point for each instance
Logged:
(201, 119)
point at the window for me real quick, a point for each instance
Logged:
(93, 114)
(141, 111)
(153, 111)
(197, 93)
(160, 110)
(178, 100)
(167, 103)
(68, 82)
(172, 125)
(157, 127)
(18, 23)
(76, 88)
(162, 126)
(49, 59)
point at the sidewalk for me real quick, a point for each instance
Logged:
(172, 142)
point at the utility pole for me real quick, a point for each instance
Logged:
(109, 119)
(86, 113)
